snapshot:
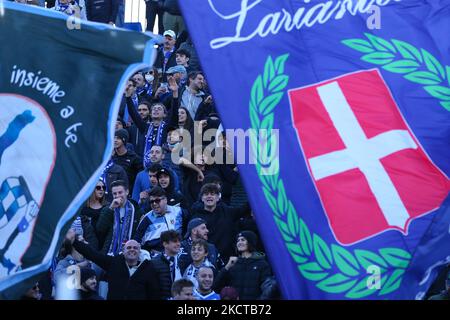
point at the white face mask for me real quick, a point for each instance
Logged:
(149, 78)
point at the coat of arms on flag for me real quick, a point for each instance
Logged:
(369, 169)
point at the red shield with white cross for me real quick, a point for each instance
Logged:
(370, 171)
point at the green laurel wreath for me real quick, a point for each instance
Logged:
(416, 65)
(333, 268)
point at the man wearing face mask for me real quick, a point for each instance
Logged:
(143, 87)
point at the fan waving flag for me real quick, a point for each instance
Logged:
(61, 81)
(347, 104)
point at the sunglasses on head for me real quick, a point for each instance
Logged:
(99, 187)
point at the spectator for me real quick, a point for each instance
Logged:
(137, 139)
(145, 181)
(125, 158)
(165, 57)
(129, 278)
(197, 230)
(199, 253)
(166, 181)
(155, 131)
(182, 289)
(143, 88)
(182, 57)
(192, 95)
(166, 264)
(248, 272)
(69, 257)
(118, 222)
(219, 218)
(94, 205)
(161, 218)
(32, 294)
(88, 285)
(205, 279)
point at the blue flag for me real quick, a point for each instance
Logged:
(61, 81)
(347, 104)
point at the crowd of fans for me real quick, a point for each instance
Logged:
(169, 217)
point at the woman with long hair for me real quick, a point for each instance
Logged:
(95, 203)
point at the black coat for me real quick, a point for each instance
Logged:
(162, 267)
(247, 276)
(142, 285)
(131, 163)
(221, 226)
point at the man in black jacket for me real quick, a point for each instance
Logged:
(127, 159)
(167, 263)
(128, 277)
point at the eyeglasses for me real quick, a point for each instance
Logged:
(99, 187)
(157, 200)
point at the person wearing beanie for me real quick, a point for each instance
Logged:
(126, 158)
(88, 285)
(246, 272)
(197, 230)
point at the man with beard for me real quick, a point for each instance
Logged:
(196, 230)
(88, 285)
(205, 279)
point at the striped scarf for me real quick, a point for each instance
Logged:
(121, 233)
(149, 141)
(147, 89)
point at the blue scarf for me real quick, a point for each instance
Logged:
(122, 234)
(166, 57)
(147, 89)
(149, 141)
